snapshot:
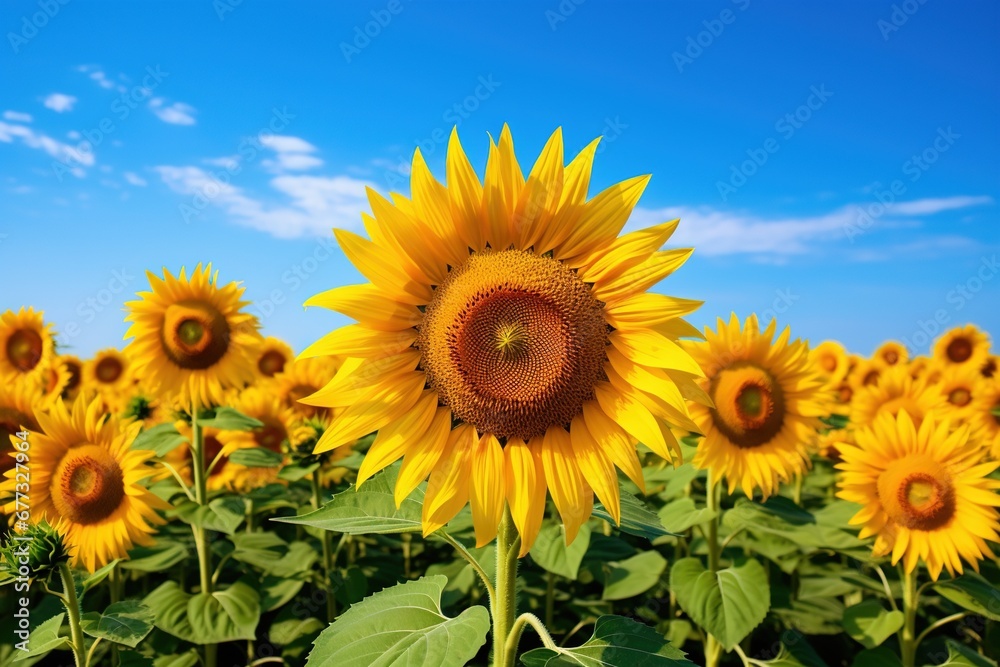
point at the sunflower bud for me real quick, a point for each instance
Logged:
(35, 553)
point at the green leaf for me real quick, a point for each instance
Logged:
(157, 558)
(228, 419)
(633, 576)
(552, 554)
(296, 471)
(883, 656)
(971, 591)
(187, 659)
(728, 604)
(262, 550)
(284, 631)
(370, 509)
(636, 518)
(616, 642)
(777, 514)
(99, 576)
(223, 514)
(45, 638)
(206, 619)
(160, 439)
(871, 624)
(256, 457)
(682, 514)
(126, 622)
(402, 625)
(960, 655)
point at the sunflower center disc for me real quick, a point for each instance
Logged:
(108, 370)
(917, 494)
(24, 349)
(195, 335)
(749, 405)
(88, 485)
(891, 357)
(828, 362)
(271, 363)
(959, 350)
(270, 436)
(959, 397)
(513, 343)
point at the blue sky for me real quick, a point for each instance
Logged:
(140, 135)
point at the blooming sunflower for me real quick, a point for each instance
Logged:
(831, 361)
(924, 491)
(17, 411)
(190, 338)
(75, 368)
(56, 377)
(25, 343)
(86, 481)
(959, 384)
(896, 391)
(272, 357)
(891, 353)
(110, 375)
(989, 367)
(866, 373)
(304, 377)
(962, 345)
(506, 343)
(768, 402)
(985, 416)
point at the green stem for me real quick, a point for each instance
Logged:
(200, 535)
(504, 602)
(510, 647)
(940, 622)
(78, 644)
(117, 591)
(797, 490)
(464, 553)
(329, 557)
(713, 650)
(908, 636)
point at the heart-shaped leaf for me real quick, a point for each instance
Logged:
(681, 514)
(870, 623)
(230, 419)
(256, 457)
(126, 622)
(633, 576)
(552, 554)
(44, 638)
(971, 591)
(616, 642)
(160, 439)
(206, 619)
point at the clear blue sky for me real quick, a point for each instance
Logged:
(838, 102)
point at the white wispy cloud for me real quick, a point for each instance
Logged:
(68, 155)
(287, 144)
(310, 206)
(134, 179)
(716, 232)
(17, 116)
(177, 113)
(59, 102)
(291, 154)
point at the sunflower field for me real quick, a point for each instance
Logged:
(518, 454)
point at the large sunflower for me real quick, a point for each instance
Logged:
(273, 355)
(768, 403)
(86, 481)
(25, 343)
(190, 338)
(896, 391)
(925, 493)
(962, 345)
(506, 343)
(109, 374)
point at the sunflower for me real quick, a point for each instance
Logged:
(896, 391)
(110, 375)
(768, 403)
(304, 377)
(924, 491)
(962, 345)
(985, 416)
(56, 377)
(17, 411)
(959, 384)
(272, 357)
(865, 373)
(506, 344)
(919, 366)
(25, 343)
(989, 367)
(75, 368)
(190, 338)
(831, 361)
(86, 481)
(891, 353)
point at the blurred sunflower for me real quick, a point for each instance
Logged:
(305, 377)
(17, 411)
(506, 342)
(25, 343)
(989, 367)
(86, 481)
(985, 416)
(190, 338)
(56, 377)
(924, 492)
(896, 391)
(866, 373)
(109, 374)
(831, 361)
(891, 353)
(768, 403)
(272, 357)
(919, 366)
(959, 385)
(962, 345)
(75, 368)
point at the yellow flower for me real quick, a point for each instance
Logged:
(305, 377)
(925, 495)
(190, 339)
(985, 416)
(891, 353)
(56, 378)
(75, 368)
(86, 481)
(768, 403)
(865, 373)
(25, 344)
(17, 411)
(109, 374)
(272, 357)
(989, 367)
(896, 391)
(959, 384)
(962, 345)
(506, 344)
(831, 361)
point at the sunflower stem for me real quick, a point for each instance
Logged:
(78, 643)
(908, 636)
(200, 536)
(713, 650)
(504, 602)
(328, 554)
